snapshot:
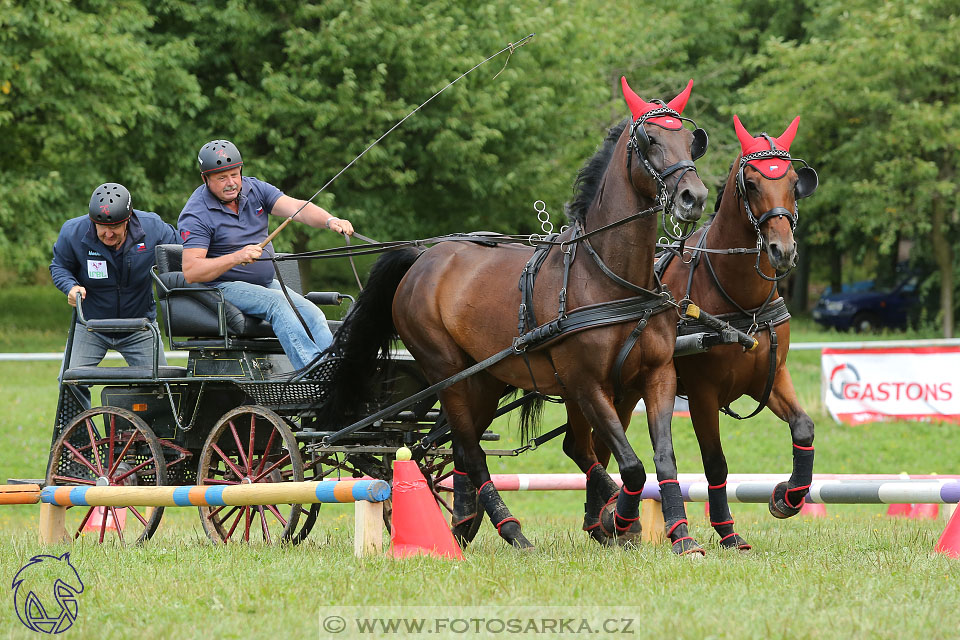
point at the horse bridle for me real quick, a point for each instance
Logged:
(807, 182)
(640, 142)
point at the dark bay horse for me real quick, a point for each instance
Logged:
(741, 287)
(457, 304)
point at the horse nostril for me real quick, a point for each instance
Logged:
(688, 200)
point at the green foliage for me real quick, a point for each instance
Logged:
(93, 91)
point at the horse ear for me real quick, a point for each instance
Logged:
(786, 139)
(678, 103)
(742, 134)
(638, 106)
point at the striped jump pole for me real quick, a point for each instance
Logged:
(367, 495)
(753, 482)
(330, 491)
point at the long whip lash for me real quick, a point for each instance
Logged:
(510, 47)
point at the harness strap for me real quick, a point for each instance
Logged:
(622, 356)
(610, 274)
(771, 374)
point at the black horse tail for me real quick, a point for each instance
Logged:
(363, 340)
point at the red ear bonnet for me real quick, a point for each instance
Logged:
(638, 106)
(771, 167)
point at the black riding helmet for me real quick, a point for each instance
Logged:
(110, 204)
(218, 155)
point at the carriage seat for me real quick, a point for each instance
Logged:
(193, 309)
(122, 373)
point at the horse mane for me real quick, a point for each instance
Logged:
(723, 186)
(590, 176)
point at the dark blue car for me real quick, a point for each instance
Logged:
(869, 310)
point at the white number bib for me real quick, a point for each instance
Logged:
(97, 269)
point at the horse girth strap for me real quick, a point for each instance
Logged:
(610, 274)
(771, 376)
(595, 315)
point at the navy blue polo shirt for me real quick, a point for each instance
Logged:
(206, 223)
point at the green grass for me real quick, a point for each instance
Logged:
(854, 574)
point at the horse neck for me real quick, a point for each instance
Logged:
(731, 228)
(629, 248)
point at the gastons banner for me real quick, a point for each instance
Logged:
(904, 383)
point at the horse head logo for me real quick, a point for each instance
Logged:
(37, 578)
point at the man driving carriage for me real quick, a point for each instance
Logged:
(104, 258)
(222, 225)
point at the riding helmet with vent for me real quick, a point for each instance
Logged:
(218, 155)
(110, 204)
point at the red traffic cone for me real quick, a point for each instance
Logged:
(813, 509)
(925, 511)
(96, 519)
(949, 542)
(418, 525)
(899, 510)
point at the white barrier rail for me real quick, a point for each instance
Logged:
(794, 346)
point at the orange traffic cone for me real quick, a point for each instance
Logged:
(813, 509)
(96, 519)
(949, 542)
(925, 511)
(418, 525)
(899, 510)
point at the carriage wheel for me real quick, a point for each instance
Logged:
(250, 445)
(109, 446)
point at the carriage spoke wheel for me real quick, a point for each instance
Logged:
(109, 447)
(250, 445)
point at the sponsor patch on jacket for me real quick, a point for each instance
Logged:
(184, 235)
(95, 253)
(97, 269)
(142, 246)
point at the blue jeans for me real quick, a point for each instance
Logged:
(90, 347)
(270, 304)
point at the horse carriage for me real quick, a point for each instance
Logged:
(611, 340)
(236, 413)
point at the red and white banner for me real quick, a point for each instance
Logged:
(894, 383)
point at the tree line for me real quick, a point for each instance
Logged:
(128, 90)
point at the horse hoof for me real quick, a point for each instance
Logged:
(611, 534)
(466, 530)
(779, 507)
(734, 541)
(688, 547)
(510, 531)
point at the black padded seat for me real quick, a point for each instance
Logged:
(123, 373)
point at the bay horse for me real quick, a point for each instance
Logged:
(721, 275)
(457, 304)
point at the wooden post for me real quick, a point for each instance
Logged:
(651, 519)
(367, 528)
(52, 530)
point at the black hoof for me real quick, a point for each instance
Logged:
(466, 530)
(613, 535)
(687, 546)
(779, 507)
(510, 531)
(734, 541)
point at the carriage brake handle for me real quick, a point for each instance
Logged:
(749, 343)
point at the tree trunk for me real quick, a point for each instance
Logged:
(836, 266)
(800, 300)
(943, 254)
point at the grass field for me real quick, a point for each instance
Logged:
(854, 574)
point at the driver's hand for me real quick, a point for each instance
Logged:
(249, 253)
(341, 226)
(74, 292)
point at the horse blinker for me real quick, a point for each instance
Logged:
(807, 182)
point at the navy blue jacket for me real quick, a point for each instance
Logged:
(118, 283)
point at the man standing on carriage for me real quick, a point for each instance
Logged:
(104, 258)
(221, 226)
